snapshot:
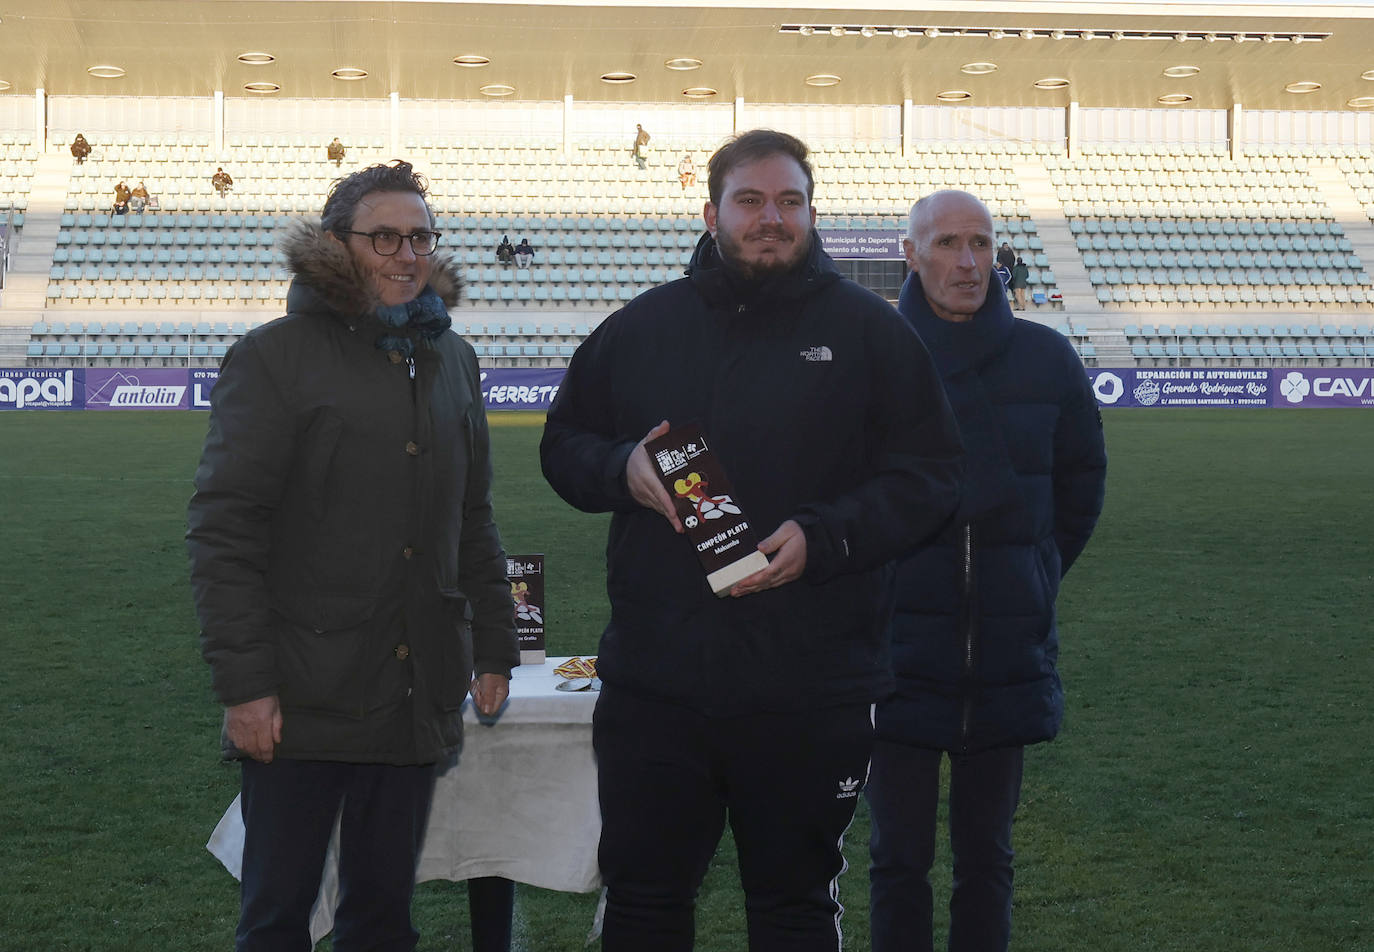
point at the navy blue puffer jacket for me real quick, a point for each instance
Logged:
(974, 642)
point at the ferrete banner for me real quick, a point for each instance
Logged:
(862, 243)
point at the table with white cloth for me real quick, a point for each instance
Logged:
(521, 803)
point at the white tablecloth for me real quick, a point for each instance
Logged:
(521, 804)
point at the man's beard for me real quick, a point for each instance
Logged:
(772, 266)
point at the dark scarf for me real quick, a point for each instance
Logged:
(425, 317)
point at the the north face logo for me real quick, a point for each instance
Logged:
(814, 354)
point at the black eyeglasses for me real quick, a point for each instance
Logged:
(388, 242)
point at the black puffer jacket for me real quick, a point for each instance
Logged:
(974, 639)
(343, 553)
(823, 407)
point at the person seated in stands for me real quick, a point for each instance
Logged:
(524, 254)
(335, 150)
(122, 195)
(686, 171)
(505, 251)
(138, 198)
(222, 181)
(80, 148)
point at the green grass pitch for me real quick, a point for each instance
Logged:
(1212, 790)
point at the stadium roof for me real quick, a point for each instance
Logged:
(1111, 54)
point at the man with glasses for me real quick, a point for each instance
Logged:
(348, 576)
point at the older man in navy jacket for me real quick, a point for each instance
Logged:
(974, 643)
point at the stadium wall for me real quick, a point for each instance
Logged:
(122, 388)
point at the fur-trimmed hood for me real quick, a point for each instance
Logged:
(323, 263)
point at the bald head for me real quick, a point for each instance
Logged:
(949, 245)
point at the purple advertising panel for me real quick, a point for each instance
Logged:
(520, 388)
(1181, 386)
(30, 388)
(1323, 387)
(136, 388)
(202, 382)
(862, 243)
(503, 388)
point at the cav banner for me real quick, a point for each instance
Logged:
(1182, 386)
(1324, 387)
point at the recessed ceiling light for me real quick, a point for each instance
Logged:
(698, 92)
(1182, 72)
(1361, 102)
(978, 69)
(838, 31)
(1367, 74)
(106, 72)
(496, 90)
(1057, 34)
(1027, 34)
(932, 31)
(823, 79)
(806, 30)
(954, 95)
(256, 58)
(1051, 82)
(997, 34)
(1087, 35)
(1174, 99)
(471, 60)
(4, 86)
(901, 32)
(349, 73)
(263, 88)
(1306, 86)
(618, 77)
(683, 63)
(867, 31)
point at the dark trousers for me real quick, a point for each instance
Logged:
(289, 808)
(903, 794)
(669, 780)
(491, 906)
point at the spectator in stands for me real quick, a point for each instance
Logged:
(641, 147)
(361, 389)
(1006, 257)
(505, 251)
(80, 149)
(222, 181)
(1020, 280)
(524, 254)
(686, 171)
(754, 709)
(973, 639)
(138, 198)
(335, 151)
(121, 200)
